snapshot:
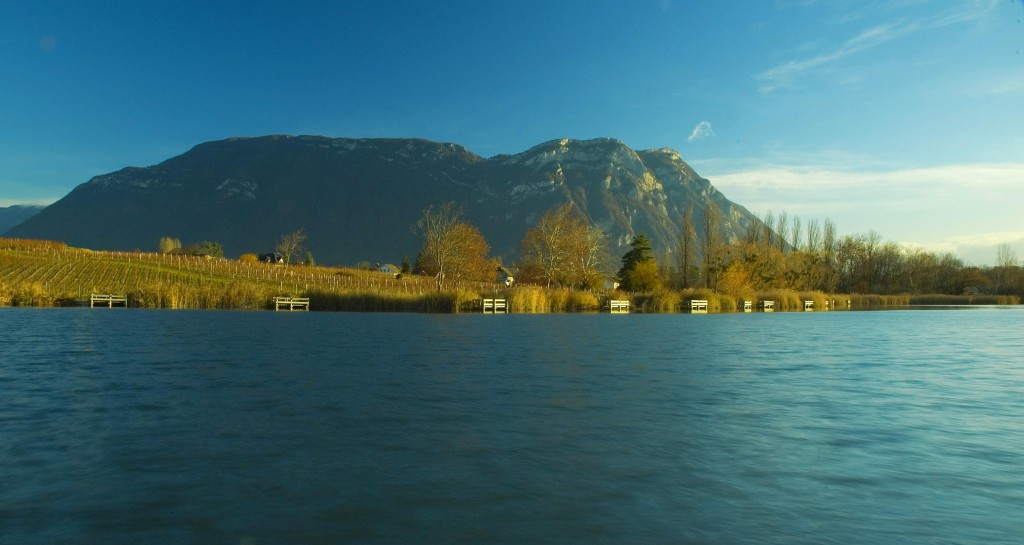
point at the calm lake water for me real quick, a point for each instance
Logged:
(167, 427)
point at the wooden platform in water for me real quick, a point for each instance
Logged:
(494, 306)
(618, 306)
(109, 300)
(291, 303)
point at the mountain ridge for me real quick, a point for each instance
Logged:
(15, 214)
(358, 197)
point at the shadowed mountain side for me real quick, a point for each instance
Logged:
(13, 215)
(358, 198)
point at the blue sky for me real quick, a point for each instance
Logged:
(899, 116)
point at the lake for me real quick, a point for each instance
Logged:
(135, 426)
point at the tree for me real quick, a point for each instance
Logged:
(471, 262)
(207, 248)
(564, 249)
(769, 225)
(687, 247)
(644, 276)
(796, 231)
(783, 227)
(640, 254)
(712, 243)
(594, 258)
(452, 249)
(736, 280)
(1006, 267)
(290, 244)
(168, 244)
(829, 271)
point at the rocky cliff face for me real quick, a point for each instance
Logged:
(358, 198)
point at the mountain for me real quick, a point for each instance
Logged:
(358, 198)
(13, 215)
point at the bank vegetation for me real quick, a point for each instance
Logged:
(42, 273)
(565, 266)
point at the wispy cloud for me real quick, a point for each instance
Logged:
(701, 131)
(804, 177)
(787, 74)
(1009, 85)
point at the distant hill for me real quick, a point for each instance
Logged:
(13, 215)
(358, 198)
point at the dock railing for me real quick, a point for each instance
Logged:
(494, 306)
(291, 303)
(109, 300)
(618, 306)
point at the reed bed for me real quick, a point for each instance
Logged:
(981, 299)
(531, 299)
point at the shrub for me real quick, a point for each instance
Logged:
(664, 300)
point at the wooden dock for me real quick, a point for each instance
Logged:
(108, 300)
(698, 306)
(494, 306)
(291, 303)
(618, 306)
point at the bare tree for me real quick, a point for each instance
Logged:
(796, 232)
(712, 243)
(168, 244)
(290, 244)
(452, 249)
(769, 223)
(783, 226)
(687, 247)
(829, 276)
(440, 247)
(1006, 266)
(564, 249)
(1005, 256)
(813, 237)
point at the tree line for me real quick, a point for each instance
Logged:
(564, 249)
(781, 252)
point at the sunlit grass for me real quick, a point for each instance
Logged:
(45, 273)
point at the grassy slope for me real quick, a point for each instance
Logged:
(52, 274)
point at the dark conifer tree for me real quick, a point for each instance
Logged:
(641, 252)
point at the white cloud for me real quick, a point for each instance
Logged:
(978, 249)
(968, 209)
(4, 203)
(701, 131)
